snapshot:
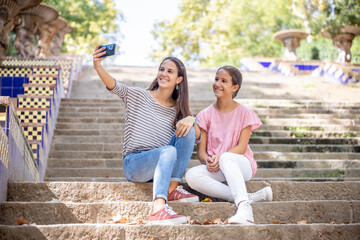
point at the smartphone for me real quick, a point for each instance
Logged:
(110, 50)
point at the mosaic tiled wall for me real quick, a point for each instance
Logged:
(70, 67)
(12, 80)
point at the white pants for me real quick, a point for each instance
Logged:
(235, 169)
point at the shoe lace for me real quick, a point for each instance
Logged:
(182, 190)
(169, 210)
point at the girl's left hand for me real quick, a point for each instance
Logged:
(214, 164)
(184, 125)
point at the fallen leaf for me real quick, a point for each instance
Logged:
(301, 222)
(332, 222)
(21, 221)
(276, 222)
(126, 200)
(117, 218)
(345, 222)
(207, 200)
(195, 222)
(138, 221)
(216, 220)
(207, 222)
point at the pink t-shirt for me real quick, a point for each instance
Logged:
(224, 129)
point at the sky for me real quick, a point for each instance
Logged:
(140, 16)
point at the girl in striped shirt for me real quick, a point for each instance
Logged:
(159, 135)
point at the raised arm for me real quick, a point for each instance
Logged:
(108, 80)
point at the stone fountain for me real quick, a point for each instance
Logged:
(9, 10)
(291, 39)
(343, 41)
(31, 22)
(62, 28)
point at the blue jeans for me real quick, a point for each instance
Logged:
(162, 165)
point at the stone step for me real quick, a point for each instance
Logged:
(254, 147)
(85, 154)
(269, 103)
(260, 173)
(94, 109)
(268, 127)
(86, 132)
(311, 127)
(338, 211)
(123, 179)
(253, 140)
(98, 147)
(310, 122)
(91, 192)
(307, 134)
(121, 114)
(110, 163)
(82, 126)
(185, 231)
(61, 120)
(265, 155)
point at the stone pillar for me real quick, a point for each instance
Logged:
(58, 39)
(342, 40)
(343, 43)
(290, 45)
(291, 39)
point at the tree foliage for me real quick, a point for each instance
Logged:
(93, 22)
(215, 32)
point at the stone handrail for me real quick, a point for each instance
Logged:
(17, 160)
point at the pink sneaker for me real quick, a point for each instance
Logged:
(179, 194)
(166, 216)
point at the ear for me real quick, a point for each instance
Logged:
(179, 80)
(235, 88)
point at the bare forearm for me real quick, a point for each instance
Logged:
(197, 132)
(202, 155)
(107, 79)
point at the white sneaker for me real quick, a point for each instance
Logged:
(264, 194)
(244, 215)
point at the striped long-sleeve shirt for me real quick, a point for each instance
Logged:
(148, 125)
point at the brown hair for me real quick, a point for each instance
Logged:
(180, 95)
(235, 74)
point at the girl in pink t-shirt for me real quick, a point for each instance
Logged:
(226, 127)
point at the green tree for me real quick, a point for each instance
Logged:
(93, 22)
(215, 32)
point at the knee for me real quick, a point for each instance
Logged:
(169, 152)
(225, 159)
(193, 175)
(191, 135)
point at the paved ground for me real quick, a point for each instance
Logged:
(256, 85)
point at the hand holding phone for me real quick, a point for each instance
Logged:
(110, 50)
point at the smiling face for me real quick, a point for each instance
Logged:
(223, 85)
(168, 75)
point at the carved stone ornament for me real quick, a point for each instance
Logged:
(8, 18)
(343, 41)
(30, 22)
(291, 39)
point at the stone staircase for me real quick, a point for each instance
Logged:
(307, 151)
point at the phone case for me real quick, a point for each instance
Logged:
(110, 50)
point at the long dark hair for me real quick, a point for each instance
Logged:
(235, 74)
(180, 95)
